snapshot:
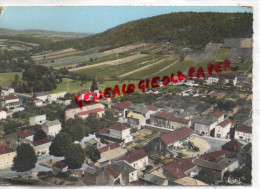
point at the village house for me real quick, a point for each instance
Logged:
(219, 167)
(179, 168)
(121, 108)
(35, 101)
(204, 125)
(244, 133)
(218, 115)
(59, 167)
(211, 79)
(42, 146)
(98, 176)
(222, 130)
(137, 159)
(7, 91)
(37, 120)
(3, 115)
(129, 174)
(112, 151)
(174, 139)
(52, 128)
(150, 179)
(215, 156)
(26, 134)
(7, 155)
(135, 119)
(153, 91)
(122, 131)
(10, 101)
(99, 111)
(116, 175)
(229, 79)
(167, 120)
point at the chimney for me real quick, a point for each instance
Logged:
(108, 147)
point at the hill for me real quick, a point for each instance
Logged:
(188, 29)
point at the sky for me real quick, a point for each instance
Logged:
(90, 19)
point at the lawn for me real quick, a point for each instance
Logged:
(7, 78)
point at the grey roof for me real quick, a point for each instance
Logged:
(203, 120)
(138, 108)
(123, 167)
(153, 179)
(52, 123)
(220, 165)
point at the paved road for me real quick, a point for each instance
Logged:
(215, 143)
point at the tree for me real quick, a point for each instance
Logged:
(59, 144)
(75, 128)
(74, 156)
(25, 158)
(40, 134)
(207, 176)
(92, 153)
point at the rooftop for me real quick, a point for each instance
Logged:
(119, 126)
(10, 97)
(52, 123)
(217, 114)
(25, 133)
(152, 108)
(188, 181)
(226, 122)
(123, 167)
(178, 167)
(221, 165)
(233, 145)
(176, 135)
(122, 105)
(135, 156)
(42, 141)
(109, 147)
(171, 117)
(214, 155)
(134, 115)
(4, 149)
(244, 129)
(93, 111)
(112, 171)
(60, 164)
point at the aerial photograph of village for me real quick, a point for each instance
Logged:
(126, 96)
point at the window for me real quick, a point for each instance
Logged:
(240, 137)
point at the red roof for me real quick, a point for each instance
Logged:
(89, 112)
(33, 98)
(25, 133)
(4, 149)
(137, 183)
(122, 105)
(171, 117)
(232, 145)
(119, 126)
(102, 131)
(214, 155)
(134, 156)
(109, 147)
(10, 97)
(84, 91)
(152, 108)
(226, 122)
(176, 135)
(244, 129)
(178, 167)
(112, 171)
(60, 164)
(217, 114)
(42, 141)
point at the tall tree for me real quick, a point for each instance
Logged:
(92, 153)
(25, 158)
(74, 156)
(59, 143)
(75, 128)
(40, 134)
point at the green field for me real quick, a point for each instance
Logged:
(7, 78)
(222, 54)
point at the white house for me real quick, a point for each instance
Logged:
(137, 159)
(26, 134)
(218, 115)
(3, 115)
(244, 133)
(122, 131)
(42, 146)
(222, 130)
(121, 108)
(52, 97)
(52, 128)
(204, 125)
(35, 101)
(37, 120)
(10, 101)
(213, 79)
(136, 120)
(7, 91)
(232, 79)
